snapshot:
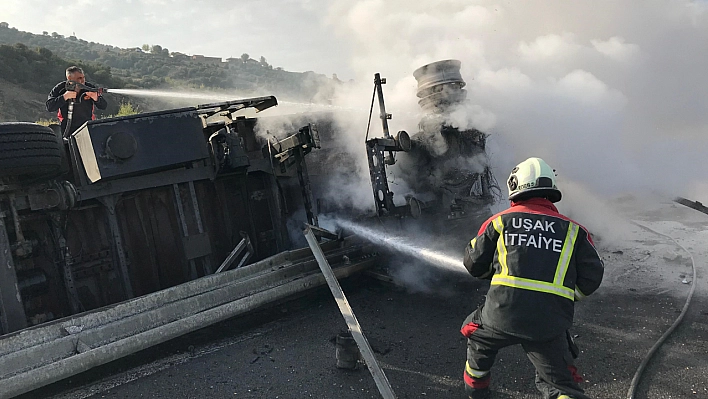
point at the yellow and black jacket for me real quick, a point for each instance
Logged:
(539, 262)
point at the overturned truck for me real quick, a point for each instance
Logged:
(135, 230)
(138, 229)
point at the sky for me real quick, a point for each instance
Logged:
(289, 33)
(613, 94)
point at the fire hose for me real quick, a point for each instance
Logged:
(642, 367)
(77, 87)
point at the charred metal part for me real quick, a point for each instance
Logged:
(57, 194)
(692, 204)
(22, 247)
(319, 232)
(376, 150)
(383, 197)
(247, 256)
(464, 182)
(65, 262)
(417, 205)
(196, 246)
(291, 151)
(304, 180)
(200, 227)
(12, 311)
(259, 103)
(110, 203)
(227, 150)
(195, 204)
(16, 219)
(185, 231)
(440, 85)
(346, 351)
(86, 265)
(32, 282)
(244, 244)
(378, 81)
(352, 323)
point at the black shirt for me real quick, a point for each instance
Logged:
(83, 109)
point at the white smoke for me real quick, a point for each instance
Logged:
(611, 94)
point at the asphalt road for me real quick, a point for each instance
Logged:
(288, 352)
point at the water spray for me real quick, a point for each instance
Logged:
(170, 94)
(406, 246)
(219, 97)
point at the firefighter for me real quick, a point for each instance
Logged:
(539, 262)
(81, 103)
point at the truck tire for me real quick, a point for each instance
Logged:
(29, 150)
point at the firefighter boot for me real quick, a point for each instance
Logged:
(483, 393)
(478, 388)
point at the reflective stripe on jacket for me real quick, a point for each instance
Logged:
(539, 262)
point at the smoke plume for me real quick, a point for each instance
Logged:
(611, 94)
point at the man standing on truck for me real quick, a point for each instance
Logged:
(539, 262)
(74, 107)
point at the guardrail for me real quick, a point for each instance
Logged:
(38, 356)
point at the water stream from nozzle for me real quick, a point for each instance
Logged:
(217, 97)
(171, 94)
(406, 246)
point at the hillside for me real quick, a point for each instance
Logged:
(18, 103)
(30, 65)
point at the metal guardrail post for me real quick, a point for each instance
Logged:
(354, 327)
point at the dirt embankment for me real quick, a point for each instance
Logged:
(20, 104)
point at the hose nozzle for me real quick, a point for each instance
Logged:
(76, 86)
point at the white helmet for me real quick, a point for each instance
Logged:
(533, 178)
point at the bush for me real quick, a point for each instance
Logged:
(127, 108)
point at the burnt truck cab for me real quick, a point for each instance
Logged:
(132, 205)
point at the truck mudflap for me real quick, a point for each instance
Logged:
(38, 356)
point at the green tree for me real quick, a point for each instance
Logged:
(146, 47)
(44, 52)
(245, 57)
(156, 49)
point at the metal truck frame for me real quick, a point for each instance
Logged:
(138, 229)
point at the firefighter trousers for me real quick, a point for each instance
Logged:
(550, 358)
